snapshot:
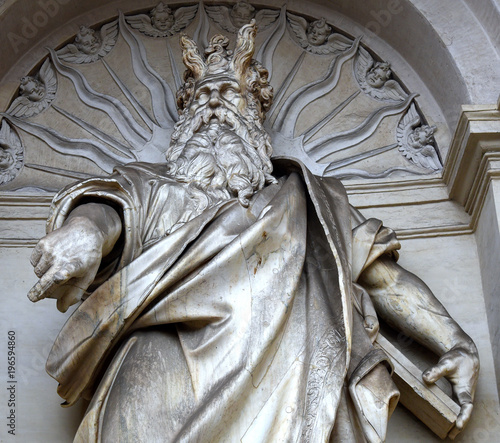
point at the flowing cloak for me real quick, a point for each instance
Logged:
(231, 324)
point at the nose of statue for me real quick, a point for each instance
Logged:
(214, 101)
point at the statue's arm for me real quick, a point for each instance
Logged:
(405, 302)
(67, 259)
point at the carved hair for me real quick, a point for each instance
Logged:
(250, 74)
(319, 24)
(161, 7)
(242, 6)
(84, 31)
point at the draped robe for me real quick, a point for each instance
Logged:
(233, 324)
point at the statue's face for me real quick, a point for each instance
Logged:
(6, 159)
(216, 92)
(241, 14)
(317, 35)
(162, 20)
(32, 88)
(421, 136)
(378, 75)
(87, 42)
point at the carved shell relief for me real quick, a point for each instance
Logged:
(337, 108)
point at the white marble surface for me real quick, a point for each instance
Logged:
(461, 270)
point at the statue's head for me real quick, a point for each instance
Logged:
(378, 75)
(318, 32)
(32, 88)
(241, 13)
(162, 17)
(87, 40)
(223, 77)
(219, 141)
(6, 157)
(421, 136)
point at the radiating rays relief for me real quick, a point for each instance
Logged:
(109, 97)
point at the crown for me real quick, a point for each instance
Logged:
(218, 59)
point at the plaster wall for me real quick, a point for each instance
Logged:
(488, 246)
(449, 266)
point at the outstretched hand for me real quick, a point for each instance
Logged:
(66, 261)
(460, 366)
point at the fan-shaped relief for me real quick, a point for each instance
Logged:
(11, 153)
(374, 78)
(231, 19)
(416, 141)
(162, 21)
(317, 36)
(90, 45)
(123, 109)
(36, 93)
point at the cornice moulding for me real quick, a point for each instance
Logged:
(474, 158)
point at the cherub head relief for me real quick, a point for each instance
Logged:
(318, 32)
(421, 136)
(241, 13)
(32, 88)
(87, 41)
(162, 17)
(11, 153)
(378, 75)
(6, 158)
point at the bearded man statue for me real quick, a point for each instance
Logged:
(223, 303)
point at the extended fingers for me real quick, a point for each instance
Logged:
(43, 265)
(53, 277)
(42, 288)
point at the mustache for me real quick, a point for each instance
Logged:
(223, 114)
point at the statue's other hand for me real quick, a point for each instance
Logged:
(460, 366)
(66, 262)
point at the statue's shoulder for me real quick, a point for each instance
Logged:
(315, 183)
(145, 170)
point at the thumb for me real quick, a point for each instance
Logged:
(443, 368)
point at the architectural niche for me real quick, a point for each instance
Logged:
(100, 93)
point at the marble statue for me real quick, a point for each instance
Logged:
(227, 298)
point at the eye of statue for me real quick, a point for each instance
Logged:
(202, 96)
(230, 92)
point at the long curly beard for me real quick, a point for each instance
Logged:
(220, 155)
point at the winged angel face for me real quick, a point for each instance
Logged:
(241, 13)
(421, 136)
(32, 88)
(6, 158)
(162, 17)
(87, 41)
(318, 32)
(219, 142)
(379, 74)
